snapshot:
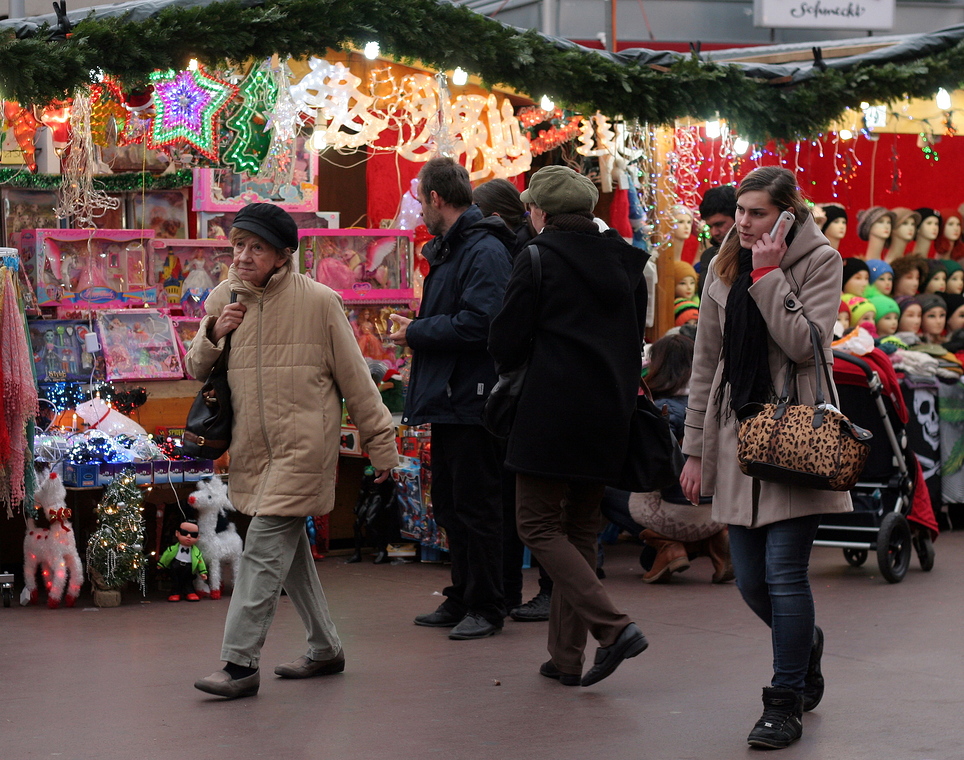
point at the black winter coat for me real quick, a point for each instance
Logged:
(452, 372)
(587, 330)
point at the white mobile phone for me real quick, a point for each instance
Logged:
(787, 219)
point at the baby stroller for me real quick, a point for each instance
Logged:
(883, 496)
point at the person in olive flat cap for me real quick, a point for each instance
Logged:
(586, 321)
(292, 358)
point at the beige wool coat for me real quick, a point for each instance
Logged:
(806, 285)
(292, 360)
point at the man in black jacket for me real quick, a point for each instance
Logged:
(452, 374)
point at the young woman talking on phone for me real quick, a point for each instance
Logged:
(767, 282)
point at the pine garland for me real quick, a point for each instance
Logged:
(442, 35)
(111, 183)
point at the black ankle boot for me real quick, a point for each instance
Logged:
(813, 683)
(782, 721)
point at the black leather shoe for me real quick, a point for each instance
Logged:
(629, 644)
(473, 626)
(441, 618)
(813, 682)
(549, 670)
(535, 610)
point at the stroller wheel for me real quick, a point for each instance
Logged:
(893, 547)
(925, 550)
(855, 557)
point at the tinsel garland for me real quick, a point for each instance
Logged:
(111, 183)
(444, 36)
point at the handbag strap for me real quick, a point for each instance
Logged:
(536, 260)
(820, 365)
(221, 365)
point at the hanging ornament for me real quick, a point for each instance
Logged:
(278, 166)
(56, 117)
(78, 196)
(188, 104)
(139, 105)
(24, 129)
(107, 110)
(251, 143)
(895, 168)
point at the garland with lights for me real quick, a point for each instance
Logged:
(445, 36)
(111, 183)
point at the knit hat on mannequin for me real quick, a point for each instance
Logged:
(833, 212)
(852, 267)
(877, 267)
(868, 218)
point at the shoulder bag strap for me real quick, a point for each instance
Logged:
(536, 259)
(221, 365)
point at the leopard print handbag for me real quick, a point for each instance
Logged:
(801, 445)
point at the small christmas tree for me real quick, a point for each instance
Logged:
(115, 550)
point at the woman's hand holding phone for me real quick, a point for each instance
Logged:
(769, 249)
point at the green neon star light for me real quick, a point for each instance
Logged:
(251, 142)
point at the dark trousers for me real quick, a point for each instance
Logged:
(513, 549)
(771, 564)
(467, 501)
(182, 577)
(559, 521)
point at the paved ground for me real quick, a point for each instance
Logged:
(115, 684)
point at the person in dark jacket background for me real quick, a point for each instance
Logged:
(452, 374)
(571, 428)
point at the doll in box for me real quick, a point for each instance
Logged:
(183, 561)
(197, 274)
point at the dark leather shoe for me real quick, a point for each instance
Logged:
(305, 667)
(441, 618)
(813, 682)
(549, 670)
(473, 626)
(221, 684)
(629, 644)
(535, 610)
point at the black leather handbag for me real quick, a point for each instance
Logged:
(653, 460)
(207, 432)
(498, 413)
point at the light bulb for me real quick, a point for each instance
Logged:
(943, 99)
(546, 105)
(459, 77)
(740, 146)
(318, 140)
(193, 65)
(371, 51)
(864, 105)
(713, 129)
(845, 134)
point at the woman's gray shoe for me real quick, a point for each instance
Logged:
(305, 667)
(221, 684)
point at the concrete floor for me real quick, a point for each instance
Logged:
(116, 684)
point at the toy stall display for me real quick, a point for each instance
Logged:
(163, 211)
(27, 210)
(187, 270)
(216, 224)
(361, 265)
(185, 329)
(139, 345)
(113, 218)
(184, 563)
(60, 351)
(85, 269)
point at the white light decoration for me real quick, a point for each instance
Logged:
(713, 129)
(845, 134)
(193, 65)
(318, 142)
(740, 146)
(546, 104)
(371, 51)
(943, 99)
(460, 77)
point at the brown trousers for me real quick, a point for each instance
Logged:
(559, 521)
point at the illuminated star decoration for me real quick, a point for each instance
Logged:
(188, 104)
(249, 147)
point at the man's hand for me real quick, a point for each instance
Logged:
(382, 475)
(400, 336)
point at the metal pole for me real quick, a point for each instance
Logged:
(17, 9)
(549, 17)
(612, 25)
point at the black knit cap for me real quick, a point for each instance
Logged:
(926, 212)
(852, 267)
(270, 222)
(833, 212)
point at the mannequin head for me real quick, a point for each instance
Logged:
(856, 277)
(862, 311)
(881, 276)
(835, 226)
(685, 278)
(933, 317)
(955, 312)
(682, 223)
(949, 238)
(905, 224)
(888, 315)
(875, 222)
(685, 312)
(910, 314)
(908, 273)
(955, 277)
(936, 279)
(929, 225)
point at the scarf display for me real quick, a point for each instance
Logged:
(19, 396)
(746, 366)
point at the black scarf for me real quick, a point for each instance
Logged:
(746, 366)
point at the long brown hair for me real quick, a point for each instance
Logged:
(670, 365)
(781, 185)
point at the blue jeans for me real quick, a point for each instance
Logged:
(771, 565)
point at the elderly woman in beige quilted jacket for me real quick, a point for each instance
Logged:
(292, 359)
(759, 296)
